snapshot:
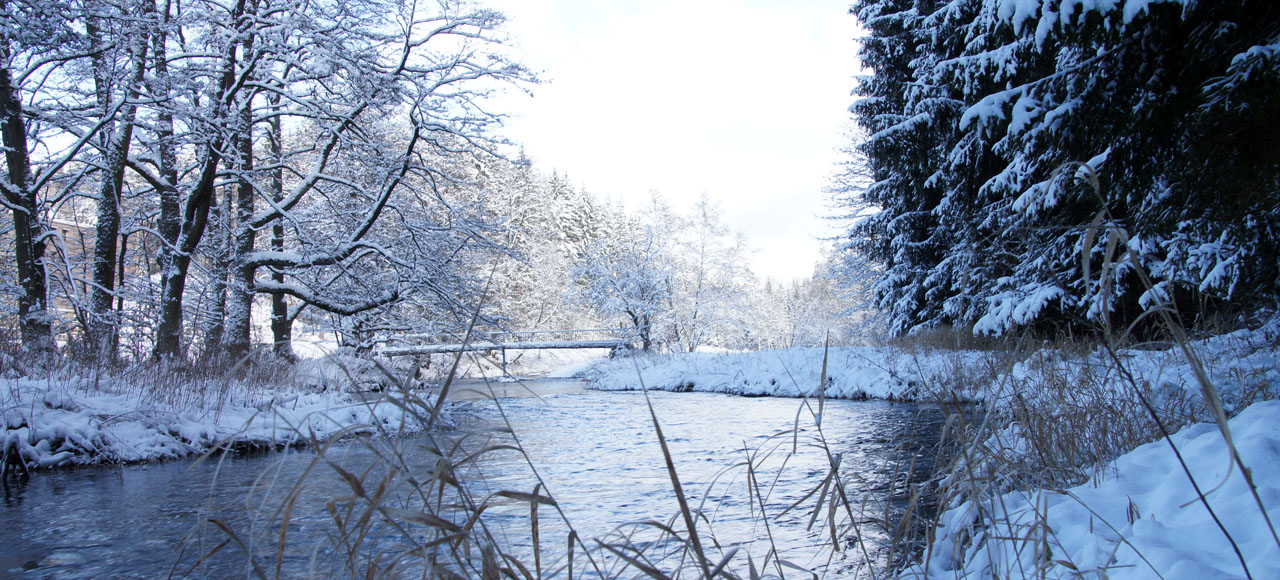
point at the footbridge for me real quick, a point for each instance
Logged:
(419, 344)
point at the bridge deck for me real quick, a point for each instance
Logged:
(474, 346)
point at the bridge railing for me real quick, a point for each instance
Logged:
(511, 336)
(419, 344)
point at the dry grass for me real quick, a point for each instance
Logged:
(1060, 411)
(422, 508)
(1054, 418)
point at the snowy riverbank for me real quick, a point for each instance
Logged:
(1018, 508)
(71, 419)
(1245, 365)
(852, 373)
(1138, 517)
(1064, 477)
(1130, 509)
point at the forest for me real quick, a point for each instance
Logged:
(1057, 279)
(1057, 165)
(206, 180)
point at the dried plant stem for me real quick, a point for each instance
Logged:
(689, 521)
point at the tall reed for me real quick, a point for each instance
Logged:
(421, 507)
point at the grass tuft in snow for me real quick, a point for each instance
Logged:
(1120, 462)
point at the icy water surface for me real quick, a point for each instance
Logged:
(596, 452)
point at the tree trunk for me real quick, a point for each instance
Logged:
(174, 278)
(281, 322)
(215, 315)
(238, 339)
(641, 322)
(169, 223)
(29, 246)
(195, 219)
(102, 324)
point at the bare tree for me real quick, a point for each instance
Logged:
(384, 87)
(119, 52)
(624, 274)
(39, 50)
(711, 278)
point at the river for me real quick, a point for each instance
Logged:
(596, 452)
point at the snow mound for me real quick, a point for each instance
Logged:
(49, 423)
(1138, 518)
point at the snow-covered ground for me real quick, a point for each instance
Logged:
(65, 419)
(852, 373)
(1138, 518)
(529, 363)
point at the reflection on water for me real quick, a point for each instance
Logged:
(596, 453)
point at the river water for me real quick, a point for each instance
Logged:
(595, 453)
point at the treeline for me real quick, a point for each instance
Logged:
(1025, 161)
(676, 278)
(192, 180)
(168, 162)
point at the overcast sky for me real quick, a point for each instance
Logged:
(745, 100)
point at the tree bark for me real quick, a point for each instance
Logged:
(33, 317)
(169, 223)
(174, 278)
(219, 249)
(102, 324)
(195, 219)
(238, 339)
(281, 322)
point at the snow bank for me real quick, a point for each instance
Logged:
(1138, 518)
(76, 420)
(1245, 366)
(852, 373)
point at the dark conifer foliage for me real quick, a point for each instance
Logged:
(980, 112)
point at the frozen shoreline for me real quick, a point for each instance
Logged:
(77, 422)
(1138, 516)
(852, 373)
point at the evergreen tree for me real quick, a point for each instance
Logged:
(980, 113)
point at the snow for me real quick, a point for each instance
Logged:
(1138, 518)
(75, 420)
(1243, 363)
(1017, 11)
(1025, 110)
(852, 372)
(1133, 8)
(989, 109)
(1013, 308)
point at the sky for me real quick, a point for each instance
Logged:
(745, 100)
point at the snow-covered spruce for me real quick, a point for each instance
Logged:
(971, 201)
